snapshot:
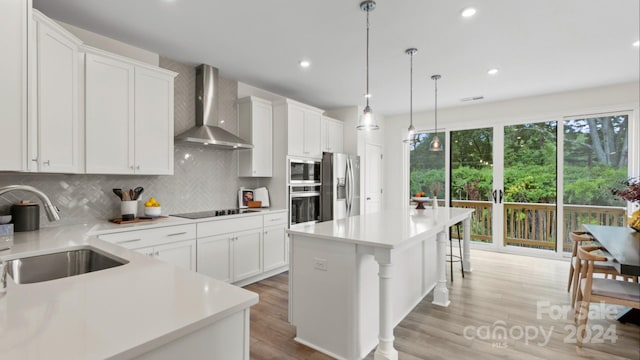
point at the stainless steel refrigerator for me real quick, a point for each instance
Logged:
(340, 190)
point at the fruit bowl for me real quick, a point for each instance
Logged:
(152, 211)
(420, 201)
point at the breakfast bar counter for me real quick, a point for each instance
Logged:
(352, 280)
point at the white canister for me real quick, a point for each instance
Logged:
(129, 207)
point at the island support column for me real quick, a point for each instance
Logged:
(385, 349)
(441, 293)
(466, 255)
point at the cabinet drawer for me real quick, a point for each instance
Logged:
(228, 226)
(275, 219)
(142, 238)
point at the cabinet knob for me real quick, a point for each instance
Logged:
(131, 167)
(138, 167)
(46, 163)
(156, 253)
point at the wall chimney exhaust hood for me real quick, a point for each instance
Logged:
(207, 130)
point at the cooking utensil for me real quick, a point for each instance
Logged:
(137, 192)
(131, 194)
(118, 193)
(125, 196)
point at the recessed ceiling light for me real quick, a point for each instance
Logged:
(492, 71)
(468, 12)
(305, 64)
(637, 43)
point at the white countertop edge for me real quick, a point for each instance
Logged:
(108, 227)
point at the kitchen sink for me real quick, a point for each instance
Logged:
(58, 265)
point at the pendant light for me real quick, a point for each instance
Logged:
(367, 120)
(411, 131)
(436, 145)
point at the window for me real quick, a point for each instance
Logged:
(426, 168)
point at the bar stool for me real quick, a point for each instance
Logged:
(455, 258)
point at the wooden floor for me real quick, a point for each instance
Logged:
(501, 292)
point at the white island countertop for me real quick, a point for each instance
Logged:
(117, 313)
(388, 229)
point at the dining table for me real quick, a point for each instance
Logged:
(623, 243)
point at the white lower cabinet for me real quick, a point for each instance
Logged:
(276, 252)
(181, 254)
(242, 250)
(247, 247)
(173, 244)
(214, 257)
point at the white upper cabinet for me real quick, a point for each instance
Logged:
(255, 125)
(129, 116)
(304, 124)
(56, 137)
(332, 135)
(14, 20)
(109, 101)
(153, 122)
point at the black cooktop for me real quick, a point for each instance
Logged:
(214, 213)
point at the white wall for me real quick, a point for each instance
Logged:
(111, 45)
(536, 108)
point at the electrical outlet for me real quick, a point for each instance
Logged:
(320, 264)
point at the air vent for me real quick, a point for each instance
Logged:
(472, 98)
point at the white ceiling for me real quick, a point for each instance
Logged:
(540, 46)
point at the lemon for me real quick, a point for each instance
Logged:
(148, 204)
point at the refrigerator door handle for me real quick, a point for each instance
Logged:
(347, 180)
(351, 180)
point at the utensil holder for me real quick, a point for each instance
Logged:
(129, 207)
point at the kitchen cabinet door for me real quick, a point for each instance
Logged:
(153, 122)
(255, 124)
(215, 257)
(311, 135)
(275, 251)
(181, 254)
(247, 258)
(332, 135)
(14, 17)
(295, 120)
(109, 115)
(59, 135)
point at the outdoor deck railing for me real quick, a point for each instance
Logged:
(534, 225)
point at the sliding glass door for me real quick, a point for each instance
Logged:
(472, 179)
(529, 192)
(531, 183)
(595, 157)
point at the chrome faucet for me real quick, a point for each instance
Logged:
(49, 208)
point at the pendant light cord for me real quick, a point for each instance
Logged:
(367, 95)
(436, 107)
(411, 92)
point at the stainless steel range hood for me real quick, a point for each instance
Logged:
(207, 130)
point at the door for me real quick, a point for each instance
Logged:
(59, 138)
(295, 128)
(373, 178)
(275, 250)
(472, 177)
(153, 123)
(335, 136)
(181, 254)
(215, 257)
(262, 128)
(529, 192)
(597, 154)
(246, 254)
(14, 16)
(312, 129)
(109, 116)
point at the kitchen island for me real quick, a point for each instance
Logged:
(145, 309)
(338, 304)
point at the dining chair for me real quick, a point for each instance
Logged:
(592, 289)
(579, 239)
